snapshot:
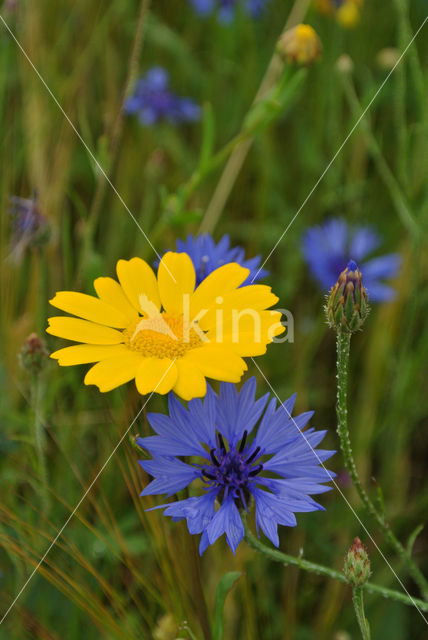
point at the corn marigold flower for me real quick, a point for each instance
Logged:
(153, 101)
(165, 332)
(235, 462)
(329, 247)
(207, 256)
(300, 45)
(226, 9)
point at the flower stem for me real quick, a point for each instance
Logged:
(198, 593)
(37, 394)
(358, 602)
(233, 167)
(343, 350)
(319, 569)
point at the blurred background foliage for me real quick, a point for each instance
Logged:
(118, 572)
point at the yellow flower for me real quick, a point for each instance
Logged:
(300, 45)
(162, 331)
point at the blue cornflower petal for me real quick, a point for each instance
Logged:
(198, 511)
(203, 7)
(171, 475)
(329, 247)
(222, 452)
(227, 520)
(203, 413)
(147, 115)
(157, 79)
(383, 267)
(363, 242)
(239, 412)
(271, 511)
(380, 292)
(153, 101)
(207, 256)
(226, 9)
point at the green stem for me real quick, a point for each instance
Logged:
(358, 602)
(406, 33)
(198, 593)
(343, 349)
(235, 162)
(398, 199)
(115, 136)
(37, 396)
(319, 569)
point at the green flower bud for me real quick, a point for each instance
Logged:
(357, 564)
(33, 356)
(347, 303)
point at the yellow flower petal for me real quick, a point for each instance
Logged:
(247, 332)
(217, 362)
(176, 279)
(191, 382)
(110, 292)
(83, 331)
(254, 299)
(136, 279)
(89, 308)
(85, 353)
(156, 374)
(113, 372)
(221, 281)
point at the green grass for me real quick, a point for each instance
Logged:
(117, 570)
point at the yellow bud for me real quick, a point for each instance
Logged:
(300, 45)
(348, 15)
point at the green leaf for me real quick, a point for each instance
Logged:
(224, 586)
(412, 538)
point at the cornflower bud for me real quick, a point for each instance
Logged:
(33, 356)
(347, 303)
(300, 45)
(357, 564)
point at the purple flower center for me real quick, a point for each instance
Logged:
(232, 470)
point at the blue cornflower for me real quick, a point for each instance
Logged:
(276, 467)
(226, 9)
(207, 256)
(329, 247)
(29, 226)
(153, 101)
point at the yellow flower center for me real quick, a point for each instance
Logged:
(161, 336)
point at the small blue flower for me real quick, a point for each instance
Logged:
(207, 256)
(226, 9)
(329, 247)
(153, 101)
(276, 467)
(29, 226)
